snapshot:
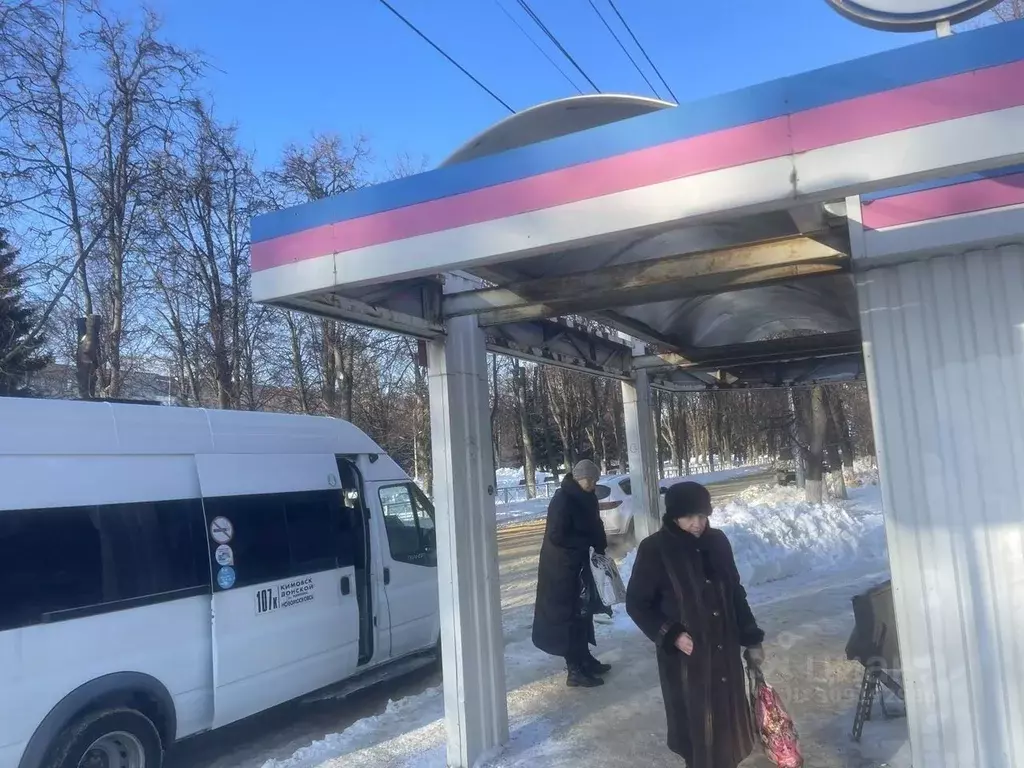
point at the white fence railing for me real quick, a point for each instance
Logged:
(516, 494)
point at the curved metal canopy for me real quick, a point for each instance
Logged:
(553, 119)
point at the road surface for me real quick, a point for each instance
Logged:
(281, 731)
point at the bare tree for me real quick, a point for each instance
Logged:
(207, 195)
(48, 153)
(145, 84)
(86, 99)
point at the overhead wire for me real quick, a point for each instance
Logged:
(622, 45)
(643, 50)
(538, 46)
(440, 50)
(525, 5)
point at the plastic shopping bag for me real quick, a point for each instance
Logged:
(609, 584)
(773, 724)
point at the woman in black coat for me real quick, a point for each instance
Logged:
(685, 595)
(561, 625)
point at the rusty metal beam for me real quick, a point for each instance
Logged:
(562, 344)
(650, 281)
(818, 345)
(360, 313)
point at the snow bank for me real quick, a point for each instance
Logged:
(776, 534)
(413, 712)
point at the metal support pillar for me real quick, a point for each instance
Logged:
(944, 353)
(643, 453)
(472, 645)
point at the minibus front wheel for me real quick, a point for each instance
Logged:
(109, 738)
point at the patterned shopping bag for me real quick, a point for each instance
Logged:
(773, 724)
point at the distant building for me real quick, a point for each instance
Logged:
(58, 381)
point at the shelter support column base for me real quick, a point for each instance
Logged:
(643, 454)
(472, 645)
(944, 352)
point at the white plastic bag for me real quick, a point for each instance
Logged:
(606, 576)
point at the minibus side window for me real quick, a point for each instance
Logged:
(282, 535)
(70, 562)
(409, 522)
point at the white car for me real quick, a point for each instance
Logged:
(615, 497)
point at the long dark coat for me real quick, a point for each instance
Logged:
(706, 705)
(573, 527)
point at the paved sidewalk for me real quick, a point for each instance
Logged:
(622, 724)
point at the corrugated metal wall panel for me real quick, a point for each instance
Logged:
(944, 346)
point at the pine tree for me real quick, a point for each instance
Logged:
(18, 358)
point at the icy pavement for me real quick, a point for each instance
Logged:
(809, 622)
(837, 550)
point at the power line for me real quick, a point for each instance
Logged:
(643, 50)
(536, 19)
(618, 40)
(538, 46)
(438, 48)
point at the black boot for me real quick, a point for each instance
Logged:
(594, 667)
(578, 678)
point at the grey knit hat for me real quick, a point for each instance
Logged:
(586, 470)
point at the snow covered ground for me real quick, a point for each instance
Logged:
(536, 509)
(802, 564)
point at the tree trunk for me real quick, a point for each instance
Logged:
(88, 356)
(712, 447)
(819, 423)
(659, 431)
(421, 425)
(526, 436)
(349, 366)
(560, 411)
(842, 427)
(495, 403)
(545, 405)
(300, 374)
(116, 332)
(618, 427)
(685, 442)
(672, 434)
(794, 440)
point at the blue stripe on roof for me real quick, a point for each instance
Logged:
(929, 60)
(937, 183)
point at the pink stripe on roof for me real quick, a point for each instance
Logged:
(972, 93)
(967, 197)
(949, 98)
(665, 162)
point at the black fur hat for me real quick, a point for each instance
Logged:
(686, 499)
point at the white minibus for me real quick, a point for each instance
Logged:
(166, 571)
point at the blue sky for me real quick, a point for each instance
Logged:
(284, 71)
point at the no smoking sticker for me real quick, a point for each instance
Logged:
(221, 530)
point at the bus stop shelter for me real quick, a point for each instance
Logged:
(866, 219)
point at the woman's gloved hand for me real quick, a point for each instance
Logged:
(754, 655)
